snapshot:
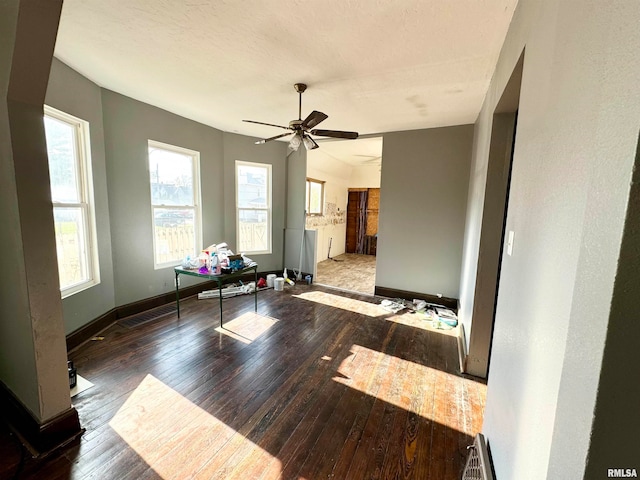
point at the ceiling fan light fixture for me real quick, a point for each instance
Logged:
(309, 144)
(295, 142)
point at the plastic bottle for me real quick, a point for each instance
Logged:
(287, 279)
(214, 264)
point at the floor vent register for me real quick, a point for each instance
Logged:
(478, 466)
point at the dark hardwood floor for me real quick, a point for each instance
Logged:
(319, 384)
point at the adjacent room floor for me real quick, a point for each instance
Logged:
(318, 384)
(349, 271)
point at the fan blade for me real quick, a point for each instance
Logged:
(268, 124)
(314, 119)
(335, 134)
(260, 142)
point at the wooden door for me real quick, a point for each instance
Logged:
(373, 204)
(352, 222)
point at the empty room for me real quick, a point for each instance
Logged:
(176, 177)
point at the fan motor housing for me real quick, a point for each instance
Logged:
(295, 124)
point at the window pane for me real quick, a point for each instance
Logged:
(253, 231)
(171, 175)
(63, 168)
(315, 197)
(174, 234)
(252, 187)
(70, 245)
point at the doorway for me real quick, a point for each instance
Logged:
(347, 229)
(492, 233)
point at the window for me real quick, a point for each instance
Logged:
(174, 176)
(253, 203)
(315, 197)
(72, 197)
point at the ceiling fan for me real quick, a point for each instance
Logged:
(301, 129)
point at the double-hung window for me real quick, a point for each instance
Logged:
(174, 176)
(315, 197)
(253, 207)
(68, 150)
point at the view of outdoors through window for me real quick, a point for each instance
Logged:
(315, 196)
(173, 178)
(68, 174)
(253, 189)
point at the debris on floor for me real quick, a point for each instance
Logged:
(440, 316)
(447, 316)
(393, 306)
(229, 291)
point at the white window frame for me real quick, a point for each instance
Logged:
(268, 209)
(197, 203)
(308, 195)
(86, 204)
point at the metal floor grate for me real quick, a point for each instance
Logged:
(147, 316)
(478, 465)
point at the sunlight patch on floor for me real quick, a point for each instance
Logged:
(361, 371)
(344, 303)
(418, 320)
(247, 327)
(175, 437)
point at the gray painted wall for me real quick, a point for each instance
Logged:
(424, 180)
(74, 94)
(577, 130)
(17, 350)
(240, 147)
(614, 439)
(295, 220)
(32, 347)
(128, 125)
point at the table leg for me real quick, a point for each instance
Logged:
(177, 296)
(220, 294)
(255, 290)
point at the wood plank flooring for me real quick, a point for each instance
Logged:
(319, 384)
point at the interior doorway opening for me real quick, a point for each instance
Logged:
(492, 233)
(347, 226)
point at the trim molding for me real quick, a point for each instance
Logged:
(462, 348)
(393, 293)
(39, 438)
(91, 329)
(95, 326)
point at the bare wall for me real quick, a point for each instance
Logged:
(574, 152)
(128, 125)
(32, 348)
(423, 186)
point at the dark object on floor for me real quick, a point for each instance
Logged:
(73, 375)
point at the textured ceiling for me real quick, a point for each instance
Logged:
(372, 65)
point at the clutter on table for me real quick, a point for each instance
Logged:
(217, 259)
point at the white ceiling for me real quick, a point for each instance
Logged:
(372, 66)
(361, 152)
